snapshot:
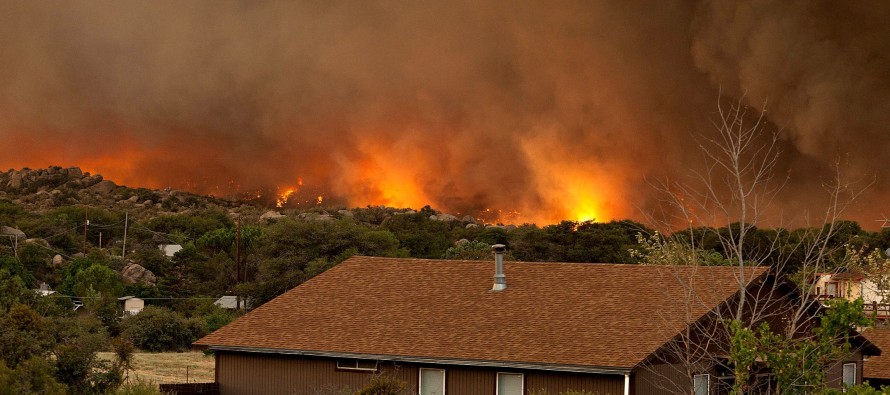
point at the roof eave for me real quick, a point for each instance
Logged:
(430, 360)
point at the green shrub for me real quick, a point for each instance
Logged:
(137, 387)
(34, 376)
(158, 329)
(382, 384)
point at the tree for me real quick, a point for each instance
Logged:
(294, 251)
(423, 237)
(159, 329)
(34, 376)
(95, 280)
(735, 186)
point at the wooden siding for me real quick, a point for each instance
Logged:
(660, 378)
(247, 373)
(834, 377)
(555, 382)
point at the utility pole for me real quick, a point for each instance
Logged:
(238, 266)
(124, 247)
(100, 240)
(86, 221)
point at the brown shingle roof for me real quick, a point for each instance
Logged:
(598, 315)
(878, 367)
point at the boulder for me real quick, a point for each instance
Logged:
(38, 241)
(134, 273)
(471, 226)
(15, 181)
(346, 213)
(468, 219)
(57, 260)
(271, 215)
(12, 232)
(443, 217)
(104, 187)
(74, 172)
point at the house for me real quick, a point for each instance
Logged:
(44, 290)
(231, 302)
(853, 285)
(444, 328)
(170, 249)
(132, 305)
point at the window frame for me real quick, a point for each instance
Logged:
(707, 377)
(844, 371)
(420, 378)
(343, 365)
(497, 382)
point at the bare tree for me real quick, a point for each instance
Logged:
(736, 186)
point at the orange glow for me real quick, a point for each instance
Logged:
(394, 173)
(389, 176)
(575, 190)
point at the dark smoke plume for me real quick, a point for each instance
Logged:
(537, 107)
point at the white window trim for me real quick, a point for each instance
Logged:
(420, 379)
(708, 380)
(497, 382)
(855, 368)
(356, 367)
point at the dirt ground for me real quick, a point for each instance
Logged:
(172, 367)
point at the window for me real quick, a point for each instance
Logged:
(509, 384)
(701, 384)
(849, 374)
(831, 289)
(363, 365)
(432, 382)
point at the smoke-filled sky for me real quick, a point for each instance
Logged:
(550, 109)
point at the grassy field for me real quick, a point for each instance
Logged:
(171, 367)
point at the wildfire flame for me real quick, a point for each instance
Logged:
(283, 197)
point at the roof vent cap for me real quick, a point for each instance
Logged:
(500, 280)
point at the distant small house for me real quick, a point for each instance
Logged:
(170, 249)
(44, 290)
(852, 285)
(132, 305)
(231, 302)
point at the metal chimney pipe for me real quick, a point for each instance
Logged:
(500, 280)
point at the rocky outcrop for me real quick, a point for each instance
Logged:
(134, 273)
(46, 189)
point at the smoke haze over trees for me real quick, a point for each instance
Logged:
(555, 110)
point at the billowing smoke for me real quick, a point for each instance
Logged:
(551, 110)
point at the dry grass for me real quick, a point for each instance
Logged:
(170, 367)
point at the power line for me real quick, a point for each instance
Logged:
(161, 298)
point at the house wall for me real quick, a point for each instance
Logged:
(871, 292)
(661, 378)
(251, 373)
(134, 305)
(835, 374)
